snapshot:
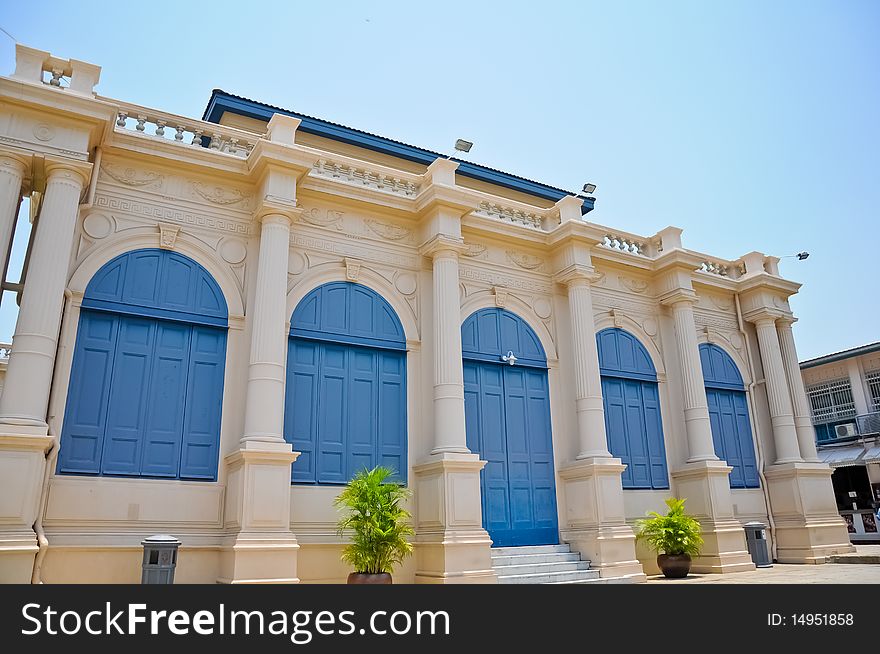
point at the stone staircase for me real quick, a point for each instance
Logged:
(542, 564)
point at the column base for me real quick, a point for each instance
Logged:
(259, 559)
(808, 527)
(451, 545)
(260, 548)
(22, 466)
(596, 521)
(706, 486)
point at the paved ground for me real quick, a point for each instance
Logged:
(830, 573)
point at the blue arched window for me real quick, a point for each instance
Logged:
(346, 385)
(146, 385)
(729, 415)
(632, 409)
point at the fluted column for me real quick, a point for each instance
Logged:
(696, 409)
(449, 423)
(781, 412)
(12, 172)
(803, 424)
(264, 408)
(29, 375)
(592, 440)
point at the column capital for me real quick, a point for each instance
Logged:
(786, 321)
(764, 316)
(15, 163)
(442, 245)
(679, 296)
(272, 208)
(68, 169)
(577, 275)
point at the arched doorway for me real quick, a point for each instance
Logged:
(632, 409)
(729, 415)
(345, 406)
(146, 385)
(507, 413)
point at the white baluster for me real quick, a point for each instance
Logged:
(140, 123)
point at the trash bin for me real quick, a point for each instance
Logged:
(756, 539)
(160, 559)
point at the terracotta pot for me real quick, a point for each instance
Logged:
(369, 578)
(674, 566)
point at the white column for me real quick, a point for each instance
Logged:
(264, 408)
(592, 440)
(449, 425)
(803, 423)
(696, 409)
(781, 411)
(29, 375)
(12, 171)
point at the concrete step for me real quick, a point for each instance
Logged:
(530, 549)
(540, 568)
(855, 558)
(549, 577)
(600, 580)
(551, 557)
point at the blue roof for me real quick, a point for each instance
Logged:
(221, 102)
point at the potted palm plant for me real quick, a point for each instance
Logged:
(674, 536)
(380, 525)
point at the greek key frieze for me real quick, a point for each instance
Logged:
(160, 213)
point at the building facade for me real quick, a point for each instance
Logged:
(223, 319)
(844, 393)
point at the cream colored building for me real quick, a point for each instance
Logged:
(843, 389)
(203, 295)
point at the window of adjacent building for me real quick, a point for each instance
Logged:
(873, 380)
(831, 401)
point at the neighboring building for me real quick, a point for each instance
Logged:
(844, 393)
(223, 319)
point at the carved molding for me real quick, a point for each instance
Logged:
(723, 303)
(387, 230)
(500, 296)
(352, 268)
(490, 279)
(322, 217)
(131, 176)
(220, 195)
(168, 235)
(635, 285)
(525, 261)
(474, 250)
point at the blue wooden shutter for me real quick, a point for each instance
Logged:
(123, 441)
(542, 469)
(300, 419)
(89, 391)
(166, 400)
(204, 399)
(615, 425)
(361, 437)
(747, 446)
(654, 432)
(392, 413)
(332, 412)
(636, 434)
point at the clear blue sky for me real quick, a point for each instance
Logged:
(752, 125)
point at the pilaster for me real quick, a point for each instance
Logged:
(803, 424)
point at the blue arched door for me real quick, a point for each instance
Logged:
(146, 385)
(729, 415)
(632, 409)
(345, 408)
(507, 412)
